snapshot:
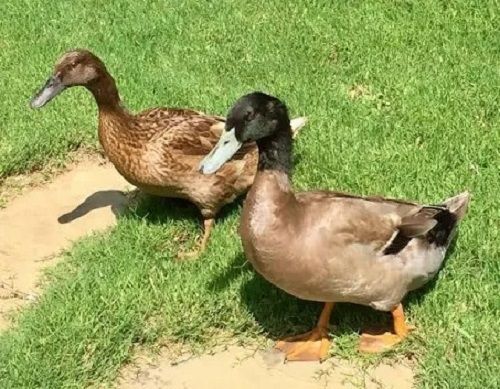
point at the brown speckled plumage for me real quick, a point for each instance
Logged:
(159, 149)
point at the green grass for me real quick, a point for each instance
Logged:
(426, 126)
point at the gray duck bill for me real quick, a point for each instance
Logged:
(51, 89)
(225, 148)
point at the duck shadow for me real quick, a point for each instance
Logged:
(155, 209)
(115, 199)
(280, 314)
(159, 210)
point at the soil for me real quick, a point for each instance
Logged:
(243, 368)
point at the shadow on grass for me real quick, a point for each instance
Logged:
(159, 210)
(280, 314)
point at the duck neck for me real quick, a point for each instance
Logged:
(274, 168)
(275, 152)
(105, 92)
(271, 193)
(115, 123)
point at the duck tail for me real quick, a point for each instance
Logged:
(453, 210)
(458, 204)
(297, 124)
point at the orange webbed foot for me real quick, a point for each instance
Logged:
(378, 343)
(311, 346)
(369, 343)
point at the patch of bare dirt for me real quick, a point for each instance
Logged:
(37, 225)
(16, 185)
(243, 368)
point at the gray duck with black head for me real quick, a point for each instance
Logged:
(328, 246)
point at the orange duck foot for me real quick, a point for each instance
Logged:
(311, 346)
(386, 341)
(378, 343)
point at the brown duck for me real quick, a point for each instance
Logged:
(328, 246)
(157, 150)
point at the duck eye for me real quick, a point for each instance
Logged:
(249, 115)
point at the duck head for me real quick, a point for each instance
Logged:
(253, 117)
(74, 68)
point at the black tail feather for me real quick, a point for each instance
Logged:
(398, 243)
(440, 234)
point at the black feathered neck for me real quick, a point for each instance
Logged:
(275, 151)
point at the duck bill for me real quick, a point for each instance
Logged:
(225, 148)
(51, 89)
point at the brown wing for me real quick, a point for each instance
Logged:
(372, 220)
(189, 132)
(185, 136)
(180, 130)
(325, 194)
(164, 112)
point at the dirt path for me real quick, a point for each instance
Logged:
(37, 225)
(237, 367)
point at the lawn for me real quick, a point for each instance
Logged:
(402, 99)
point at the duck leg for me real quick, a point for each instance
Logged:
(311, 346)
(380, 343)
(207, 228)
(207, 224)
